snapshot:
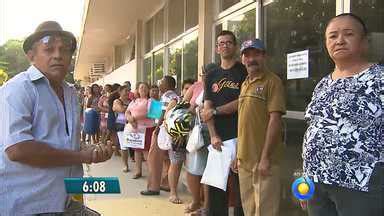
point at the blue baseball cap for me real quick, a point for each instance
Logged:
(255, 44)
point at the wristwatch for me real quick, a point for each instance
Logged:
(215, 112)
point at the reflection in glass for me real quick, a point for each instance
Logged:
(158, 70)
(291, 166)
(225, 4)
(190, 56)
(296, 25)
(175, 18)
(174, 61)
(192, 14)
(372, 12)
(149, 35)
(243, 26)
(147, 72)
(159, 28)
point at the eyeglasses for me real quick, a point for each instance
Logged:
(224, 43)
(49, 40)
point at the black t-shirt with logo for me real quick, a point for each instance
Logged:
(222, 87)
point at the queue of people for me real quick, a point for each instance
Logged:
(239, 106)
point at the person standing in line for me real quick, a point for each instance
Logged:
(103, 107)
(261, 105)
(136, 115)
(119, 107)
(92, 125)
(343, 147)
(176, 155)
(220, 113)
(196, 161)
(111, 119)
(156, 156)
(132, 96)
(154, 92)
(40, 129)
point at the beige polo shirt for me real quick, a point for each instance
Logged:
(258, 98)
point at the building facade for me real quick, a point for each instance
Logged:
(144, 40)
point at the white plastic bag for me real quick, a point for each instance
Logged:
(164, 141)
(133, 137)
(217, 170)
(219, 164)
(195, 140)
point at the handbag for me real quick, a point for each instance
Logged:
(164, 141)
(196, 139)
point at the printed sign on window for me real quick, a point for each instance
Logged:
(297, 65)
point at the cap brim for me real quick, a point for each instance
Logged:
(251, 47)
(30, 40)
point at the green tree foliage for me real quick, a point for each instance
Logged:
(190, 60)
(13, 60)
(3, 77)
(12, 57)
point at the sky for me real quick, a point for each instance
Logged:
(19, 18)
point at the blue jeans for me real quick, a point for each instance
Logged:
(331, 200)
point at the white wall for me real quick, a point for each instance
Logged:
(124, 73)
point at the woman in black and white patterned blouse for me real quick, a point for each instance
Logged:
(343, 149)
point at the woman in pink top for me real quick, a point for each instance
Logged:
(137, 116)
(103, 107)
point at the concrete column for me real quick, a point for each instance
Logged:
(206, 18)
(139, 46)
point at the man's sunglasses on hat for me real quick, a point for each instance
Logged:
(48, 40)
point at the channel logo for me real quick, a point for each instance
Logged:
(303, 188)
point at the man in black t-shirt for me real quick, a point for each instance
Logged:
(222, 91)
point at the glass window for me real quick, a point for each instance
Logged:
(147, 70)
(175, 18)
(292, 26)
(190, 56)
(158, 69)
(243, 26)
(129, 49)
(119, 56)
(372, 12)
(225, 4)
(159, 27)
(192, 13)
(174, 60)
(149, 35)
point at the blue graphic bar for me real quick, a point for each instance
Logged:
(92, 185)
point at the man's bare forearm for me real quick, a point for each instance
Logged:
(41, 155)
(211, 122)
(228, 108)
(273, 134)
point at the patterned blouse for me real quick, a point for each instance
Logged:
(345, 137)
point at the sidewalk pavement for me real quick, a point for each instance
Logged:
(130, 202)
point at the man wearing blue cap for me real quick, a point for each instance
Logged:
(261, 105)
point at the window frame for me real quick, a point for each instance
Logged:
(233, 14)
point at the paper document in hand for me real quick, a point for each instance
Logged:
(231, 144)
(218, 165)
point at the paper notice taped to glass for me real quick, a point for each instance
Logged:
(218, 164)
(298, 65)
